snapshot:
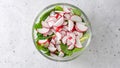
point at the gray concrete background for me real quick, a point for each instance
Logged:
(17, 49)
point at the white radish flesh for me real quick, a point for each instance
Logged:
(58, 36)
(59, 22)
(42, 41)
(45, 24)
(70, 25)
(67, 16)
(51, 47)
(78, 43)
(80, 27)
(64, 39)
(71, 47)
(76, 18)
(61, 54)
(51, 23)
(58, 48)
(43, 30)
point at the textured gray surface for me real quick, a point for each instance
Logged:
(17, 49)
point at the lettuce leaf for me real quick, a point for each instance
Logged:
(84, 38)
(58, 8)
(76, 11)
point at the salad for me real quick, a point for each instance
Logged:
(61, 31)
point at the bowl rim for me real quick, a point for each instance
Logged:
(90, 31)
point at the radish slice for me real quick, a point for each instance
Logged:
(61, 54)
(78, 34)
(58, 47)
(42, 41)
(53, 55)
(58, 36)
(80, 27)
(70, 25)
(51, 47)
(52, 18)
(45, 24)
(52, 13)
(69, 42)
(43, 30)
(52, 41)
(76, 18)
(70, 47)
(78, 43)
(50, 32)
(65, 23)
(51, 23)
(67, 16)
(59, 22)
(65, 28)
(57, 16)
(66, 10)
(58, 42)
(64, 40)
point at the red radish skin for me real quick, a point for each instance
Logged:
(80, 27)
(42, 41)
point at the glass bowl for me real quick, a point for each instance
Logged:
(85, 44)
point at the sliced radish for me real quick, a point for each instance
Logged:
(52, 13)
(58, 47)
(65, 23)
(67, 16)
(58, 36)
(78, 43)
(65, 28)
(59, 22)
(76, 18)
(53, 55)
(70, 47)
(42, 41)
(66, 10)
(46, 44)
(79, 34)
(69, 42)
(51, 47)
(45, 24)
(50, 32)
(70, 25)
(52, 18)
(57, 16)
(63, 33)
(58, 11)
(80, 27)
(52, 41)
(59, 28)
(58, 42)
(64, 39)
(61, 54)
(43, 30)
(51, 23)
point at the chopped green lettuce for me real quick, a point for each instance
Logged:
(84, 38)
(58, 8)
(76, 11)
